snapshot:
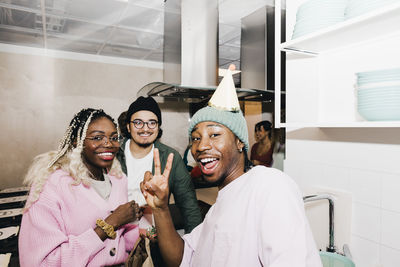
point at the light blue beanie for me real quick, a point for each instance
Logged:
(234, 121)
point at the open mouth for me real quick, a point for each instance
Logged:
(145, 134)
(106, 156)
(208, 165)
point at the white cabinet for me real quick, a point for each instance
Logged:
(321, 67)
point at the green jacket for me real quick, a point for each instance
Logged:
(180, 184)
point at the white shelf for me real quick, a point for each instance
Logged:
(364, 28)
(319, 93)
(358, 124)
(297, 55)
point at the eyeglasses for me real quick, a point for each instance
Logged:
(139, 124)
(102, 139)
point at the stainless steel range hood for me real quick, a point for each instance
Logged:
(191, 55)
(193, 94)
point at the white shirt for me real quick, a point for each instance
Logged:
(103, 188)
(258, 220)
(136, 169)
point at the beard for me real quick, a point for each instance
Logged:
(145, 145)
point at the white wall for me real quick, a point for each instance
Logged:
(370, 172)
(41, 90)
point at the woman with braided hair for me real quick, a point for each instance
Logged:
(77, 212)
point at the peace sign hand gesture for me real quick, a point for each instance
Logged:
(155, 187)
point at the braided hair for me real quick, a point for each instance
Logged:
(68, 157)
(76, 131)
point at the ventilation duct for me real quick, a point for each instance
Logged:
(191, 54)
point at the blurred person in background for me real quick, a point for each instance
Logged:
(262, 151)
(121, 124)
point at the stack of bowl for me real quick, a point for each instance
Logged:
(378, 94)
(358, 7)
(314, 15)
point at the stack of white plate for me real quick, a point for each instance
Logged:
(314, 15)
(358, 7)
(378, 95)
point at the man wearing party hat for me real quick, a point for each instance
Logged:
(258, 218)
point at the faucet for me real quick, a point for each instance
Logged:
(331, 246)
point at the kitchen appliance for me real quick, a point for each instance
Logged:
(191, 54)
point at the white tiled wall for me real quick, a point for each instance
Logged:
(371, 173)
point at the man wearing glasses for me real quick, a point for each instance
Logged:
(143, 122)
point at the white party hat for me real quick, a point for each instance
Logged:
(225, 97)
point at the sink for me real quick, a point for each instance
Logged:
(330, 259)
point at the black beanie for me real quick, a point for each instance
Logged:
(144, 103)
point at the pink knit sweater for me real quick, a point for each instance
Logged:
(58, 229)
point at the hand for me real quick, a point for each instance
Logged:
(124, 214)
(155, 187)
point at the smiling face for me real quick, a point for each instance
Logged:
(260, 133)
(216, 150)
(98, 155)
(145, 136)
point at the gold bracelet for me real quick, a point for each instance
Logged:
(107, 228)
